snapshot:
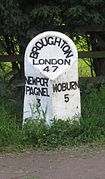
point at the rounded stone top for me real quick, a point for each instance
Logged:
(52, 53)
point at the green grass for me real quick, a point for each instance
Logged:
(36, 134)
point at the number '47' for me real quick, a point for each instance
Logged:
(47, 68)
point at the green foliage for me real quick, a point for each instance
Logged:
(11, 102)
(93, 109)
(9, 131)
(94, 3)
(85, 12)
(20, 21)
(84, 69)
(24, 19)
(37, 134)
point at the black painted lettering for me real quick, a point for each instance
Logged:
(55, 88)
(59, 87)
(66, 48)
(36, 91)
(31, 91)
(64, 86)
(45, 82)
(68, 87)
(35, 62)
(34, 49)
(44, 92)
(44, 41)
(41, 61)
(29, 80)
(42, 81)
(38, 102)
(69, 54)
(47, 61)
(38, 80)
(34, 55)
(67, 62)
(63, 44)
(27, 89)
(54, 68)
(73, 85)
(47, 69)
(57, 41)
(50, 40)
(66, 97)
(60, 61)
(39, 45)
(53, 61)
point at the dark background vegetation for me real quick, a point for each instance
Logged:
(21, 20)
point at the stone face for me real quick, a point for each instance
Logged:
(51, 75)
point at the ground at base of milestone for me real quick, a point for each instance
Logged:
(78, 163)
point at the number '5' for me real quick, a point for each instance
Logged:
(66, 97)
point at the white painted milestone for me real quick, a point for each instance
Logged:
(51, 78)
